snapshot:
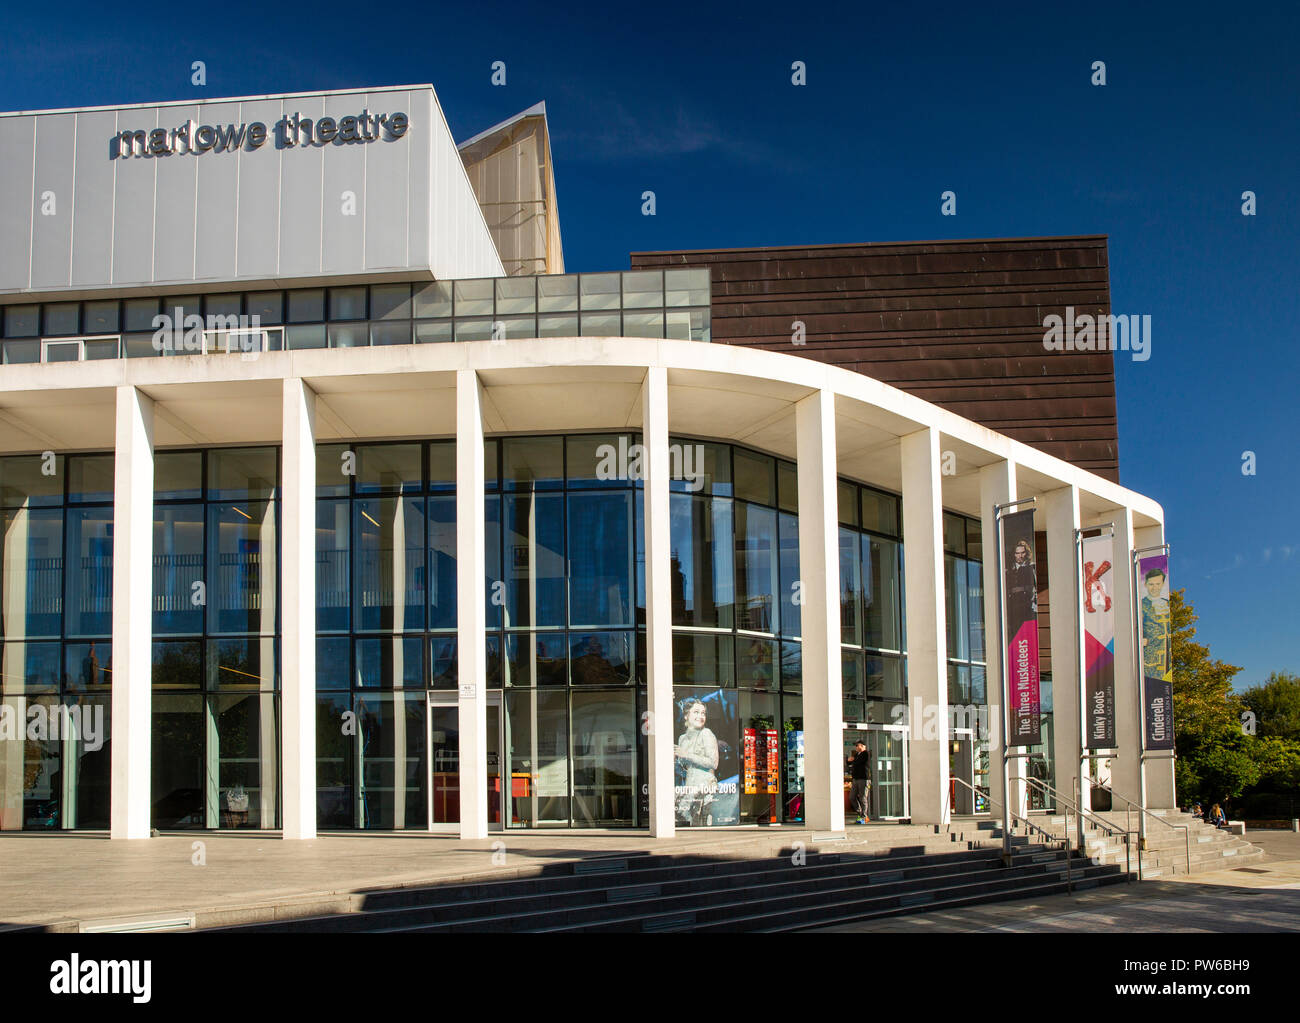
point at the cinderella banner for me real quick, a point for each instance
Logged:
(1098, 643)
(1020, 600)
(1155, 628)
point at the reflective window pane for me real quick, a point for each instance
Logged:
(306, 305)
(179, 583)
(88, 572)
(390, 663)
(241, 568)
(389, 573)
(602, 658)
(533, 463)
(600, 559)
(347, 303)
(267, 306)
(61, 319)
(604, 759)
(100, 318)
(333, 567)
(515, 295)
(241, 473)
(388, 468)
(535, 563)
(390, 301)
(432, 300)
(643, 289)
(473, 298)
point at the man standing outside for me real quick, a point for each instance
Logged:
(860, 773)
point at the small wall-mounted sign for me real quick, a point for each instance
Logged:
(467, 691)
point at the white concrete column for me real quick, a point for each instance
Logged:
(1161, 794)
(1061, 512)
(1125, 767)
(131, 803)
(471, 600)
(658, 602)
(997, 486)
(927, 641)
(819, 571)
(298, 619)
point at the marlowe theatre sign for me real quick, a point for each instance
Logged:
(290, 130)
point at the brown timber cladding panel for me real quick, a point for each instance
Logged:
(958, 323)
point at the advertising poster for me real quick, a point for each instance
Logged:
(706, 761)
(1098, 643)
(762, 773)
(1156, 631)
(773, 762)
(1020, 599)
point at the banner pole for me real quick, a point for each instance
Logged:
(1084, 751)
(1079, 655)
(1140, 660)
(998, 510)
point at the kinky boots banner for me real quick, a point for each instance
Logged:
(1155, 629)
(1098, 643)
(1020, 601)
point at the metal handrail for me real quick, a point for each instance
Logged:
(1096, 821)
(1086, 814)
(1065, 843)
(1187, 833)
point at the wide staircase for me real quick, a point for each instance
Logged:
(750, 883)
(1174, 841)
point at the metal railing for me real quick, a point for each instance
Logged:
(1030, 825)
(1097, 822)
(1130, 806)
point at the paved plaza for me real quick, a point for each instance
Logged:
(71, 883)
(1264, 896)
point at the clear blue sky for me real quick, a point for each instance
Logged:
(992, 101)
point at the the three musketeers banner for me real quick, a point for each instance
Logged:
(1020, 604)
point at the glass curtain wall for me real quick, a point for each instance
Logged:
(56, 623)
(737, 658)
(564, 532)
(968, 697)
(216, 734)
(564, 650)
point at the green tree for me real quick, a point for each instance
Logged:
(1205, 707)
(1276, 706)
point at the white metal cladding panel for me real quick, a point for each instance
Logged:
(92, 250)
(343, 211)
(52, 218)
(246, 216)
(386, 169)
(177, 188)
(301, 169)
(257, 242)
(133, 205)
(419, 244)
(218, 200)
(460, 245)
(17, 142)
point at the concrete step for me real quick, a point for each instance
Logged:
(673, 892)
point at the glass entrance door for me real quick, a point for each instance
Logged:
(888, 747)
(496, 794)
(961, 768)
(444, 762)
